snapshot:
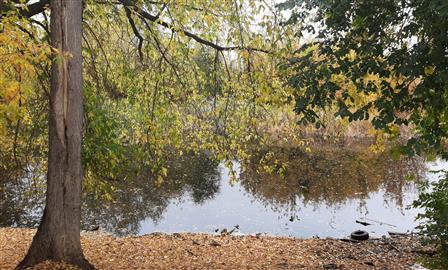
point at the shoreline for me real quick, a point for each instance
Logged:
(207, 251)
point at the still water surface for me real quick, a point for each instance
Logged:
(322, 193)
(235, 205)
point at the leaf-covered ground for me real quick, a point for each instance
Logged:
(203, 251)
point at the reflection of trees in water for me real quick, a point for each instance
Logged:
(141, 198)
(331, 176)
(199, 177)
(21, 197)
(133, 200)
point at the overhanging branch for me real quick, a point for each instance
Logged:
(156, 19)
(27, 10)
(38, 7)
(136, 32)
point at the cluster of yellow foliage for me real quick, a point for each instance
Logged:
(19, 57)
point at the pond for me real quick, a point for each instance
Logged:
(235, 205)
(322, 193)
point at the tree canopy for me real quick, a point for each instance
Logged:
(133, 82)
(203, 76)
(383, 61)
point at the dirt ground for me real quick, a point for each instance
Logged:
(203, 251)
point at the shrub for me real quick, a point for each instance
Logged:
(434, 221)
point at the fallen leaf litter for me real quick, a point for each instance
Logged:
(205, 251)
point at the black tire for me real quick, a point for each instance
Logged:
(360, 235)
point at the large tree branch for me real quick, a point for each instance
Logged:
(24, 10)
(136, 32)
(38, 7)
(156, 19)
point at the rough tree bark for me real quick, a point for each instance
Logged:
(58, 235)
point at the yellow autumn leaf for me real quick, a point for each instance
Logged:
(429, 70)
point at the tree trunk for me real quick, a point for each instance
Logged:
(58, 235)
